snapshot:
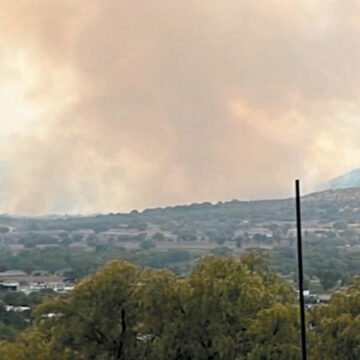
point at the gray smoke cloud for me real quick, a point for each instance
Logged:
(156, 103)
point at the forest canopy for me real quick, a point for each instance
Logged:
(226, 308)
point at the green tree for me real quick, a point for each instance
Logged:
(4, 230)
(147, 244)
(158, 236)
(211, 314)
(336, 327)
(123, 312)
(98, 320)
(6, 332)
(276, 334)
(33, 344)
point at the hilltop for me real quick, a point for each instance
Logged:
(348, 180)
(329, 205)
(342, 195)
(176, 237)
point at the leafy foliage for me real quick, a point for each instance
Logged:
(336, 326)
(123, 312)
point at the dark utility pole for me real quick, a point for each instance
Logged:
(301, 272)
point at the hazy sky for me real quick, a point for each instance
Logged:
(110, 105)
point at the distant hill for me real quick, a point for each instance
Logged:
(224, 217)
(349, 180)
(176, 236)
(344, 196)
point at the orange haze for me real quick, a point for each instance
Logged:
(147, 103)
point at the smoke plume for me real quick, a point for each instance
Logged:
(149, 103)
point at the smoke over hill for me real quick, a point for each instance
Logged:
(137, 104)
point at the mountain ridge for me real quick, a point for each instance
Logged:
(345, 181)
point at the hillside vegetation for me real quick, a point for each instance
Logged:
(175, 237)
(243, 309)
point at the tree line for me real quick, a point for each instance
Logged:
(226, 308)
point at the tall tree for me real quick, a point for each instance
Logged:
(223, 310)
